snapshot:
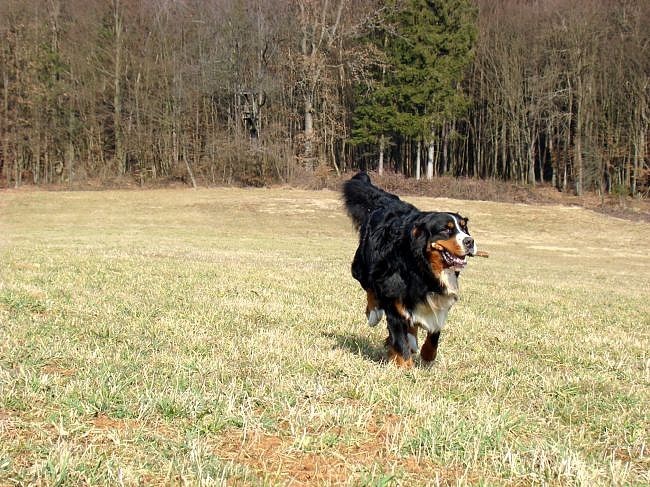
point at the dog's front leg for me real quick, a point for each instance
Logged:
(430, 348)
(399, 349)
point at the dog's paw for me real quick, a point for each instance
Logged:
(375, 316)
(396, 358)
(413, 342)
(428, 353)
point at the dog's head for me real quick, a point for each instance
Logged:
(444, 240)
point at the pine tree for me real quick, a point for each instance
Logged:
(427, 46)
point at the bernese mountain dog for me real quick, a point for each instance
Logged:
(408, 262)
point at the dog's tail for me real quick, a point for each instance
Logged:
(361, 198)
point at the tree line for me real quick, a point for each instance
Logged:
(253, 91)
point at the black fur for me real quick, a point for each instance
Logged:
(393, 259)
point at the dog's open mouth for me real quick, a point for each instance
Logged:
(452, 260)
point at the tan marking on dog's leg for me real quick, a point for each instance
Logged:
(373, 312)
(395, 357)
(372, 301)
(401, 309)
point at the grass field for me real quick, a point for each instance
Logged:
(217, 337)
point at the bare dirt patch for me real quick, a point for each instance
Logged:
(55, 369)
(102, 422)
(280, 458)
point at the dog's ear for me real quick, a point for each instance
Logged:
(418, 229)
(419, 236)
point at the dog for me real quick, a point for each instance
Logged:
(408, 262)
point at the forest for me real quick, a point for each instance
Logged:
(256, 91)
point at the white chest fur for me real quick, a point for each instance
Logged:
(432, 313)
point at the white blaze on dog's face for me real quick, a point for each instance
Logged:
(463, 238)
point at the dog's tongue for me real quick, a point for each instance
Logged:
(454, 261)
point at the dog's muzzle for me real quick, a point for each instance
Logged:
(470, 246)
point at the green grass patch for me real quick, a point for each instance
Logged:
(217, 337)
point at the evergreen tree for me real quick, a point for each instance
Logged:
(427, 45)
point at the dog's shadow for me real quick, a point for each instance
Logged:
(359, 345)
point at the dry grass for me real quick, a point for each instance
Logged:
(216, 337)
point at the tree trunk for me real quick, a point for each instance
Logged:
(504, 152)
(188, 167)
(445, 150)
(639, 143)
(418, 160)
(117, 94)
(70, 149)
(565, 159)
(531, 161)
(382, 143)
(554, 161)
(577, 141)
(430, 154)
(577, 150)
(309, 132)
(4, 167)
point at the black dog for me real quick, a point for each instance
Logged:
(408, 261)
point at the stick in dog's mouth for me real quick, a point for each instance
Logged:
(480, 253)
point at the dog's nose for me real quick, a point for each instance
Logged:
(468, 242)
